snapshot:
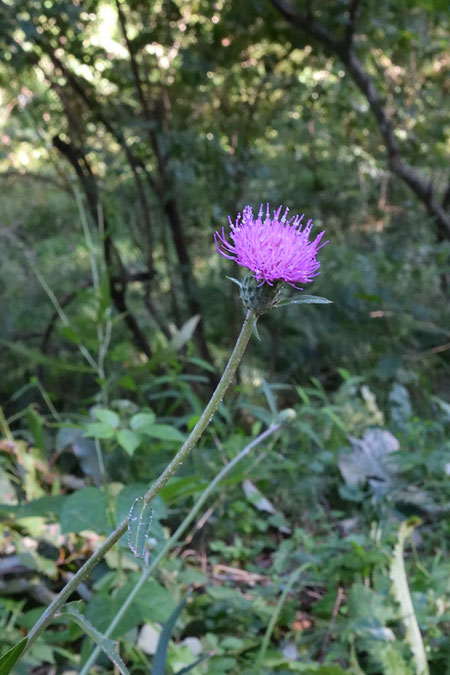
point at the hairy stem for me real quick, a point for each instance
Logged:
(160, 482)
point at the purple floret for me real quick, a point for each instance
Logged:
(274, 249)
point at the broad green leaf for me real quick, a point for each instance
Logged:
(42, 507)
(108, 417)
(85, 510)
(159, 661)
(72, 612)
(10, 658)
(164, 432)
(180, 488)
(70, 334)
(402, 594)
(153, 603)
(142, 421)
(99, 430)
(140, 520)
(128, 440)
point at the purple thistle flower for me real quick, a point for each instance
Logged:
(274, 249)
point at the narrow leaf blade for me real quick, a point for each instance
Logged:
(306, 300)
(10, 658)
(159, 662)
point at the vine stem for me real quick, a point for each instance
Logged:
(176, 536)
(84, 571)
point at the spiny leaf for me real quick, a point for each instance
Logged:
(140, 520)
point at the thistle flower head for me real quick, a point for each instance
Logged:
(273, 249)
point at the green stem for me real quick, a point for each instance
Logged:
(176, 536)
(160, 482)
(274, 618)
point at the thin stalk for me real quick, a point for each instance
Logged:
(274, 618)
(176, 536)
(47, 400)
(185, 449)
(63, 317)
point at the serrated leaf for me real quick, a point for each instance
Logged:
(142, 421)
(140, 520)
(306, 300)
(108, 417)
(128, 440)
(72, 612)
(164, 432)
(10, 658)
(85, 510)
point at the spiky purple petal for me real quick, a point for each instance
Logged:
(274, 249)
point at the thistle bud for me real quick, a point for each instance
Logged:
(259, 297)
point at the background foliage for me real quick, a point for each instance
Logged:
(130, 130)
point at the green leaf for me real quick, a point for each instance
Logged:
(35, 356)
(107, 417)
(85, 510)
(306, 300)
(70, 334)
(36, 423)
(159, 661)
(71, 612)
(142, 421)
(44, 507)
(10, 658)
(140, 520)
(164, 432)
(99, 430)
(187, 669)
(180, 488)
(128, 440)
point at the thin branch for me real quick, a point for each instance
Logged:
(351, 25)
(341, 48)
